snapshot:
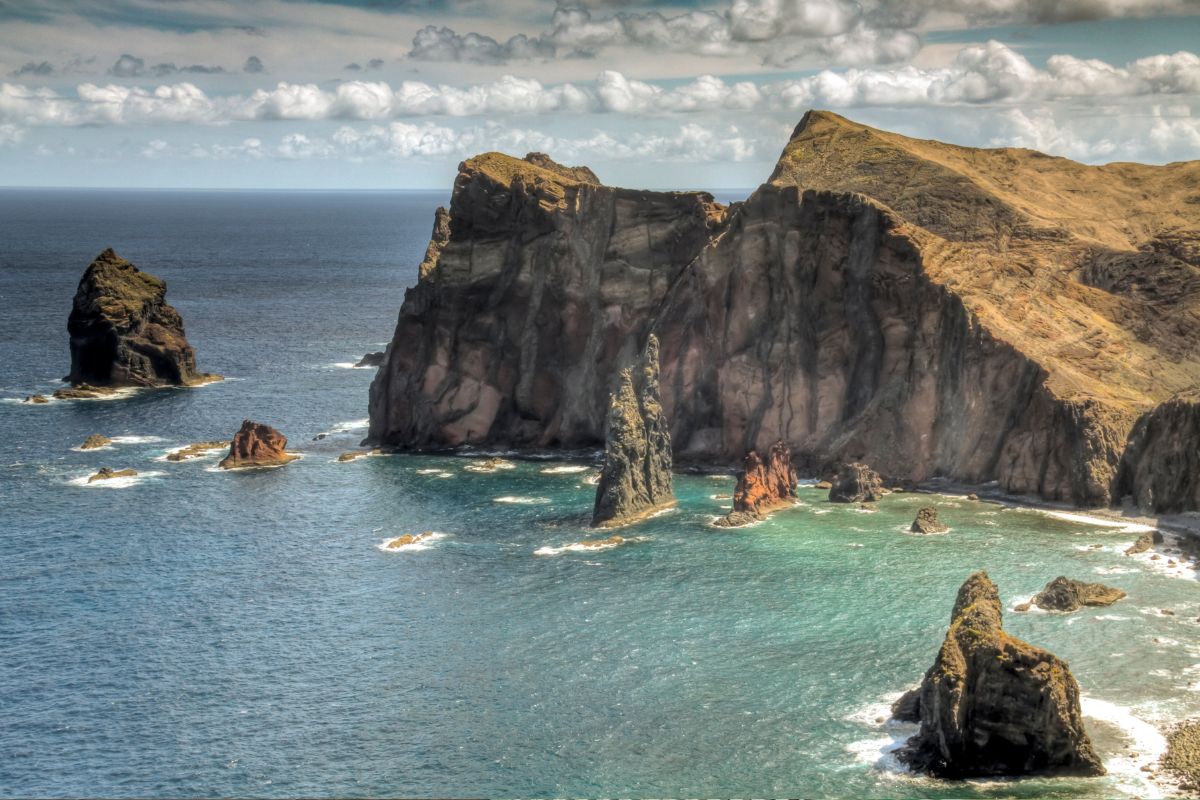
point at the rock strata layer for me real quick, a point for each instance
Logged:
(856, 483)
(123, 332)
(933, 310)
(927, 522)
(993, 705)
(635, 480)
(1065, 594)
(257, 445)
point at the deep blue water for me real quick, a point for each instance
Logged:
(198, 633)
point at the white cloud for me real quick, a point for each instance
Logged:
(10, 135)
(989, 73)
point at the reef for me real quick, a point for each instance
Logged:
(257, 445)
(123, 332)
(94, 442)
(108, 473)
(635, 480)
(993, 705)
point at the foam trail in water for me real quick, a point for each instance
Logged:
(526, 501)
(1145, 746)
(580, 547)
(1101, 522)
(424, 544)
(114, 483)
(564, 470)
(137, 439)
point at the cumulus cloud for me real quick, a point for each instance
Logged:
(988, 73)
(781, 32)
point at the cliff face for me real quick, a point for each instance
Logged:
(635, 480)
(994, 705)
(536, 289)
(1160, 468)
(123, 332)
(928, 309)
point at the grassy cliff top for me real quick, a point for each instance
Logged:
(118, 287)
(535, 166)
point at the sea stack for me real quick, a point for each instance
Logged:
(635, 480)
(856, 483)
(762, 487)
(123, 332)
(257, 445)
(992, 705)
(927, 522)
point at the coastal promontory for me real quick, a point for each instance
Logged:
(124, 333)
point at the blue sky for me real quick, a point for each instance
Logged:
(377, 94)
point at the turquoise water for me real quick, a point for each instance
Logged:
(197, 633)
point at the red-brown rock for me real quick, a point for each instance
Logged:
(257, 445)
(763, 486)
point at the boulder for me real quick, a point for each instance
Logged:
(36, 399)
(856, 483)
(257, 445)
(354, 455)
(1065, 594)
(94, 442)
(823, 486)
(1144, 542)
(108, 473)
(993, 705)
(371, 360)
(763, 486)
(123, 332)
(635, 480)
(927, 522)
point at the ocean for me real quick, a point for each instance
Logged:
(191, 632)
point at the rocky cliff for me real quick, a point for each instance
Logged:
(1160, 468)
(635, 480)
(926, 308)
(537, 288)
(123, 332)
(994, 705)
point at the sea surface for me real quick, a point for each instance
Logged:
(191, 632)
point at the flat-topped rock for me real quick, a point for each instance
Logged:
(108, 473)
(195, 450)
(400, 542)
(992, 705)
(123, 332)
(1065, 594)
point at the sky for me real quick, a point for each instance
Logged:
(393, 94)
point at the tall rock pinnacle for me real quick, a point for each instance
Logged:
(635, 481)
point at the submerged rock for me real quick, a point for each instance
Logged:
(856, 483)
(600, 544)
(84, 391)
(95, 441)
(993, 705)
(635, 480)
(1144, 542)
(123, 332)
(195, 450)
(36, 399)
(371, 360)
(257, 445)
(407, 539)
(108, 473)
(1065, 594)
(354, 455)
(927, 522)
